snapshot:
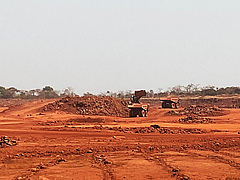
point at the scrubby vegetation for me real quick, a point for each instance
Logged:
(48, 92)
(45, 93)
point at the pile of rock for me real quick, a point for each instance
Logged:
(7, 141)
(197, 114)
(152, 129)
(195, 119)
(90, 105)
(198, 110)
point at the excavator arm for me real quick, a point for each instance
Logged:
(137, 108)
(137, 96)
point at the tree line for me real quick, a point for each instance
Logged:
(45, 93)
(48, 92)
(189, 90)
(196, 90)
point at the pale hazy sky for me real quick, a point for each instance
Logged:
(100, 45)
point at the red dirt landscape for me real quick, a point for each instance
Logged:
(92, 138)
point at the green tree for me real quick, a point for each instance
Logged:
(48, 93)
(87, 94)
(48, 88)
(209, 91)
(11, 93)
(2, 91)
(32, 92)
(68, 92)
(177, 90)
(237, 91)
(120, 94)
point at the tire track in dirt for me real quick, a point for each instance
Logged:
(218, 158)
(173, 171)
(33, 171)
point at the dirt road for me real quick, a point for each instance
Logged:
(57, 145)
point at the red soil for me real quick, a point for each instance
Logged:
(61, 145)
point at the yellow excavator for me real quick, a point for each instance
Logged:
(138, 109)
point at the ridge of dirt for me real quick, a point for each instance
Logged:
(198, 110)
(197, 114)
(90, 105)
(14, 102)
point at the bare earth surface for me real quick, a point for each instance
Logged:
(61, 145)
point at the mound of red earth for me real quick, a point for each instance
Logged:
(195, 119)
(197, 114)
(198, 111)
(90, 105)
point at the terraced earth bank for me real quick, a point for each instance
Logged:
(57, 139)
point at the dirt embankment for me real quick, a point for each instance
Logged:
(90, 105)
(226, 102)
(219, 102)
